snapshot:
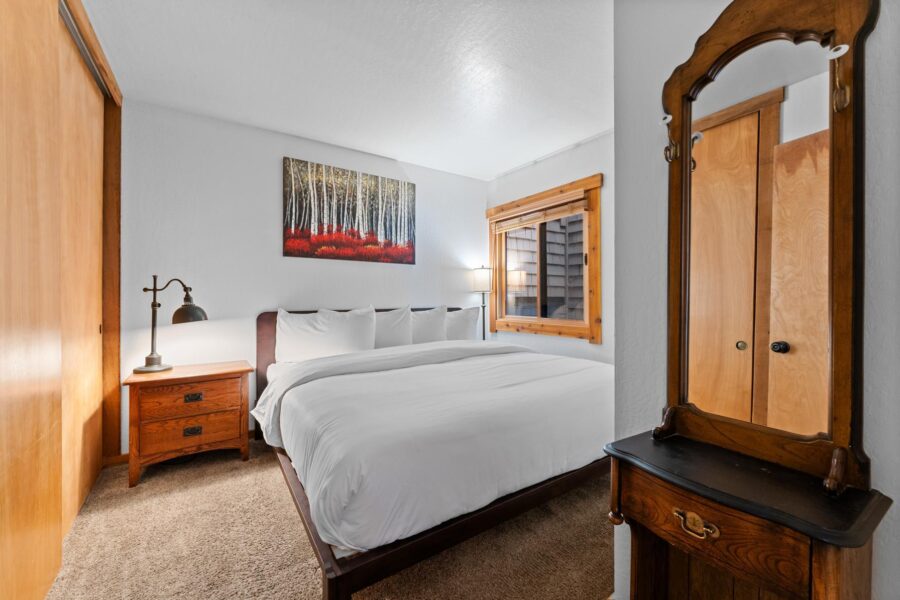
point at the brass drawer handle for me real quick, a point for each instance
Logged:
(694, 525)
(192, 431)
(195, 397)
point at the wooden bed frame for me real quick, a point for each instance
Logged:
(343, 576)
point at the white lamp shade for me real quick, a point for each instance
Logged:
(516, 278)
(481, 279)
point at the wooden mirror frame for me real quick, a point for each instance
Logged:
(838, 458)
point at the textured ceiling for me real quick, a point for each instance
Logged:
(469, 87)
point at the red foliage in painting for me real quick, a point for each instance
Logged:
(346, 245)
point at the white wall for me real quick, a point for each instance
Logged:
(760, 70)
(801, 69)
(806, 108)
(652, 37)
(589, 158)
(201, 200)
(882, 319)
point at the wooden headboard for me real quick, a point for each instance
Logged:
(265, 341)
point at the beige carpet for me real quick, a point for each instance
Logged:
(216, 527)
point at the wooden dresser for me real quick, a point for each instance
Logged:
(707, 522)
(188, 409)
(756, 484)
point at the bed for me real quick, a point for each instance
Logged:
(403, 452)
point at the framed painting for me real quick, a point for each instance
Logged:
(337, 213)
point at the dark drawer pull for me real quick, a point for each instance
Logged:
(192, 431)
(195, 397)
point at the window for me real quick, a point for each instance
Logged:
(545, 254)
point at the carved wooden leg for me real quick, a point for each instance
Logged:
(615, 516)
(334, 588)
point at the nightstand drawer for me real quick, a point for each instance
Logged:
(175, 434)
(766, 553)
(184, 399)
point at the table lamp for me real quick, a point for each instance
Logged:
(186, 313)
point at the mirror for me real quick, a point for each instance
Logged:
(759, 334)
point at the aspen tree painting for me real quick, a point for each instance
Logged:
(338, 213)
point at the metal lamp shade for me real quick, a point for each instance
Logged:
(188, 313)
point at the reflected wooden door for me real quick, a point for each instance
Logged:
(799, 394)
(81, 247)
(722, 268)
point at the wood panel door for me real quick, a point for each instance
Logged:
(799, 398)
(722, 268)
(30, 351)
(81, 248)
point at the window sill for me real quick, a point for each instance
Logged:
(554, 327)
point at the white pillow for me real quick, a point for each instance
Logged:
(429, 325)
(325, 333)
(463, 324)
(393, 328)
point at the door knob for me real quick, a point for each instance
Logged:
(780, 347)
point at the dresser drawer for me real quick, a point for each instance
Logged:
(175, 434)
(184, 399)
(766, 553)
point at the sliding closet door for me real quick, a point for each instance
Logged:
(722, 268)
(30, 352)
(81, 247)
(799, 398)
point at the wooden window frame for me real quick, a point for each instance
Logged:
(577, 197)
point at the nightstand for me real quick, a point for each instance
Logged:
(187, 409)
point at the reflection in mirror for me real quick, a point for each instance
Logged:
(758, 330)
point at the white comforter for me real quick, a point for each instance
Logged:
(388, 443)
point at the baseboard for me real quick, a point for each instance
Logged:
(116, 459)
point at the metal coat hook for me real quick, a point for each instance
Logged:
(840, 98)
(670, 152)
(698, 136)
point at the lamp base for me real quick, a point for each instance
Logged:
(152, 368)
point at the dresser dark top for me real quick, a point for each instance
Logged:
(757, 487)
